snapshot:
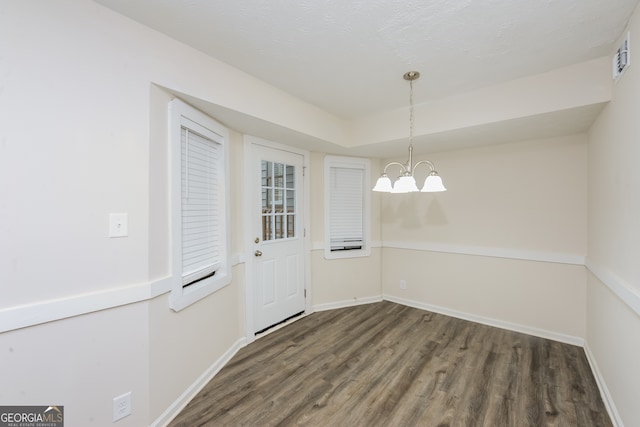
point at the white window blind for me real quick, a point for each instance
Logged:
(200, 232)
(201, 165)
(346, 208)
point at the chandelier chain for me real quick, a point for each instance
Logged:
(411, 112)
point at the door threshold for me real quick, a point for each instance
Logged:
(281, 324)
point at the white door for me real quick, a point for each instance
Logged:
(278, 251)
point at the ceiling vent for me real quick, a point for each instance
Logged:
(622, 59)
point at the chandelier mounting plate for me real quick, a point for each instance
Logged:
(411, 75)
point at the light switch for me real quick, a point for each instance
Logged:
(118, 225)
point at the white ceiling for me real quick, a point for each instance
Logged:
(348, 56)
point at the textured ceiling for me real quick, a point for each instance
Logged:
(348, 56)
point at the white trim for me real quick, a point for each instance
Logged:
(346, 303)
(31, 314)
(182, 401)
(247, 220)
(319, 246)
(602, 386)
(35, 313)
(307, 230)
(622, 290)
(238, 258)
(182, 115)
(555, 336)
(542, 333)
(38, 312)
(160, 286)
(511, 253)
(248, 259)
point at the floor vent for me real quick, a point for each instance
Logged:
(622, 59)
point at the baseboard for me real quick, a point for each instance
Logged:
(346, 303)
(604, 390)
(172, 411)
(555, 336)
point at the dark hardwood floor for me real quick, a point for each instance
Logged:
(385, 364)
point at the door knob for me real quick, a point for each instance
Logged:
(258, 253)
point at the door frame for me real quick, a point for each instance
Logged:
(248, 220)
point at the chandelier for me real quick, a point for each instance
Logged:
(406, 183)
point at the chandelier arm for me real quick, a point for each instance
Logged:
(404, 167)
(426, 162)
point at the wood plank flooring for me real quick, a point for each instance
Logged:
(386, 364)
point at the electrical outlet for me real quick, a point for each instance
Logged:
(121, 406)
(403, 284)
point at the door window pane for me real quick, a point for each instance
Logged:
(291, 201)
(266, 228)
(279, 226)
(278, 200)
(278, 173)
(291, 176)
(291, 227)
(267, 173)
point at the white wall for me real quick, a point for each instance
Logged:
(74, 142)
(83, 106)
(562, 89)
(613, 293)
(84, 318)
(74, 146)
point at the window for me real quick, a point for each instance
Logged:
(278, 200)
(199, 207)
(347, 207)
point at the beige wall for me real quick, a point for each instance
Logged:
(506, 242)
(184, 345)
(82, 131)
(542, 298)
(342, 281)
(613, 309)
(206, 330)
(613, 329)
(83, 134)
(81, 363)
(527, 195)
(339, 282)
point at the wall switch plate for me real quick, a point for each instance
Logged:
(121, 406)
(118, 226)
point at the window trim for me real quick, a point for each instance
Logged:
(353, 163)
(183, 115)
